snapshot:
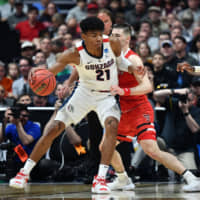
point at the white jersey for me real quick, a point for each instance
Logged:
(97, 73)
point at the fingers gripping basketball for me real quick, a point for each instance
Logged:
(42, 82)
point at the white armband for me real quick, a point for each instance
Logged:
(123, 63)
(196, 68)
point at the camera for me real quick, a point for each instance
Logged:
(15, 110)
(183, 98)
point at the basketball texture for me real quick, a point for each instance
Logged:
(43, 82)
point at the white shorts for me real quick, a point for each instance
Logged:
(83, 101)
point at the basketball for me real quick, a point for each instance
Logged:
(43, 82)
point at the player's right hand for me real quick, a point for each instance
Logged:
(184, 66)
(32, 72)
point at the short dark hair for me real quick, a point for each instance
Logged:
(181, 38)
(91, 24)
(126, 28)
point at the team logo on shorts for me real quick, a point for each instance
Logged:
(147, 117)
(70, 108)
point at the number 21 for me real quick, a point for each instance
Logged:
(103, 75)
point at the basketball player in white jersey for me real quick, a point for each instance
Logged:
(140, 127)
(96, 59)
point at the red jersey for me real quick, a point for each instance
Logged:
(127, 80)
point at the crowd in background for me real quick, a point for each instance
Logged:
(164, 33)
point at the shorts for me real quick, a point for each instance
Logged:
(138, 121)
(83, 101)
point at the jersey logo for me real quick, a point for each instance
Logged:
(106, 50)
(70, 108)
(147, 117)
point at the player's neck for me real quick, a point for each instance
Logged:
(96, 52)
(125, 49)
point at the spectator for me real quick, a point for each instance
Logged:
(22, 132)
(195, 49)
(57, 45)
(46, 48)
(24, 99)
(106, 17)
(18, 16)
(193, 6)
(146, 26)
(8, 9)
(27, 49)
(182, 121)
(62, 30)
(167, 50)
(164, 35)
(57, 20)
(13, 71)
(137, 14)
(21, 85)
(39, 57)
(4, 102)
(154, 14)
(67, 39)
(73, 28)
(176, 32)
(40, 101)
(102, 4)
(144, 52)
(92, 10)
(4, 81)
(41, 5)
(160, 78)
(46, 16)
(30, 28)
(78, 12)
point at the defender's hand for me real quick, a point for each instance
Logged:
(115, 89)
(184, 66)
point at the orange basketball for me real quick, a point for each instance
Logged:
(43, 82)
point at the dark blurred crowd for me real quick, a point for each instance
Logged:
(164, 33)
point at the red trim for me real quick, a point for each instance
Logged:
(129, 53)
(80, 48)
(106, 40)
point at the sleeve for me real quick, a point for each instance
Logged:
(34, 130)
(123, 63)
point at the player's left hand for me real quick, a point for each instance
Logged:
(115, 89)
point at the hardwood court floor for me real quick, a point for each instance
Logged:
(77, 191)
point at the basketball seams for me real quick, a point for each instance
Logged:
(46, 78)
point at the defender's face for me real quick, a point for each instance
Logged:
(93, 38)
(119, 33)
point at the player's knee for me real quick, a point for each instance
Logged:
(54, 129)
(152, 151)
(111, 124)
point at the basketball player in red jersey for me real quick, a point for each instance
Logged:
(137, 120)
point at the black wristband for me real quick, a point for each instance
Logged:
(186, 114)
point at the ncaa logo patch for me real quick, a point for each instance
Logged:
(106, 50)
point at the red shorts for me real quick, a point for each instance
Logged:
(138, 121)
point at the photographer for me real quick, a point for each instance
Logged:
(22, 133)
(181, 123)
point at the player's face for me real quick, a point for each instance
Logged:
(93, 39)
(119, 33)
